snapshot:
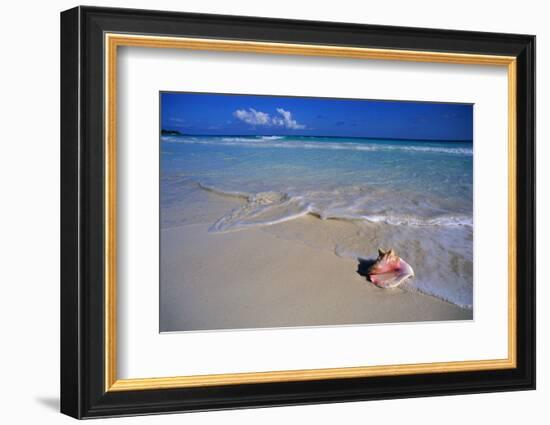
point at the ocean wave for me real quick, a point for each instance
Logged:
(290, 143)
(229, 193)
(444, 220)
(273, 207)
(250, 139)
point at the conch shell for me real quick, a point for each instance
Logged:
(389, 270)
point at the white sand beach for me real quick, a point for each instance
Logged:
(253, 278)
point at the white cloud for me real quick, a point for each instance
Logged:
(287, 120)
(253, 117)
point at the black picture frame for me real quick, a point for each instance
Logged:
(83, 392)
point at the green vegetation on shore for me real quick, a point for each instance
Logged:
(164, 132)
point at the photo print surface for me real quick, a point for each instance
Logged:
(302, 211)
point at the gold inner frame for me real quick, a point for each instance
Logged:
(113, 41)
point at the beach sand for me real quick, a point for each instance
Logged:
(283, 275)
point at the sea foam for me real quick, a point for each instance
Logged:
(307, 143)
(267, 208)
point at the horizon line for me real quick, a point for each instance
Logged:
(314, 135)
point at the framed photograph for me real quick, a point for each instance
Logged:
(261, 212)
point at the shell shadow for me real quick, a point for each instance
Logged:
(364, 265)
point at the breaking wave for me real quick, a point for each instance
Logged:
(307, 143)
(353, 204)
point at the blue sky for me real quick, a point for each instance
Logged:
(222, 114)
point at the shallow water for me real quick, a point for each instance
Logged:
(413, 196)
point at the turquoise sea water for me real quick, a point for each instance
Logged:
(414, 195)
